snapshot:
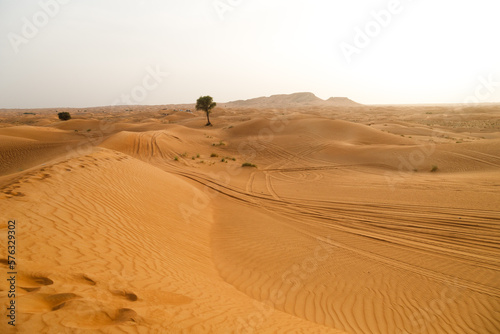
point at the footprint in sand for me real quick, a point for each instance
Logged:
(127, 295)
(125, 314)
(43, 302)
(82, 314)
(33, 280)
(85, 279)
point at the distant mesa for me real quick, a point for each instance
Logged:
(292, 100)
(342, 101)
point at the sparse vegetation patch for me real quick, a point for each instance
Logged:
(64, 116)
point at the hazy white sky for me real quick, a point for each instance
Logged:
(81, 53)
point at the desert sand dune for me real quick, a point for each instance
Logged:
(152, 279)
(19, 154)
(46, 134)
(148, 223)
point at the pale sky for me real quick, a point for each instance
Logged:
(84, 53)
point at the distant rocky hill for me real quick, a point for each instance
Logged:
(291, 100)
(342, 101)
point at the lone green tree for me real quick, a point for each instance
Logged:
(64, 116)
(206, 104)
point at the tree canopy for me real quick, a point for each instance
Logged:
(64, 116)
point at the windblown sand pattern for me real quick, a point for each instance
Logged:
(145, 221)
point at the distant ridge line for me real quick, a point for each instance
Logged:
(290, 100)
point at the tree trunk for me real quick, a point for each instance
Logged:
(208, 120)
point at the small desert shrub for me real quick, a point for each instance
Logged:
(198, 155)
(88, 130)
(434, 168)
(248, 164)
(176, 158)
(64, 116)
(214, 155)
